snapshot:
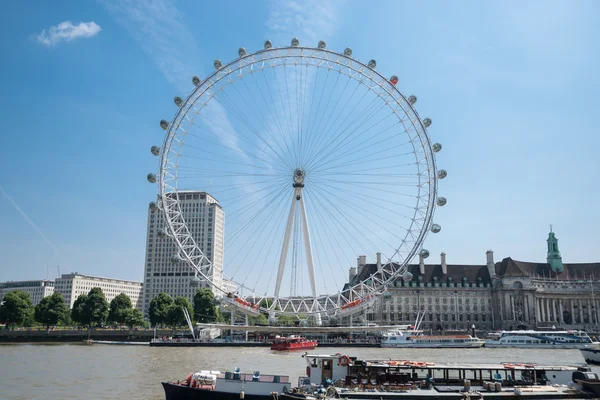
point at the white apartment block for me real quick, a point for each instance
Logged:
(74, 284)
(37, 289)
(164, 271)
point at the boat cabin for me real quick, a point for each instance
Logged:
(345, 371)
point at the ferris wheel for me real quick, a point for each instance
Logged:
(315, 159)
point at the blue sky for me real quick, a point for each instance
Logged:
(512, 89)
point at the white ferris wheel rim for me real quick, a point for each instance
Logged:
(321, 58)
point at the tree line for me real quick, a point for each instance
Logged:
(93, 310)
(89, 310)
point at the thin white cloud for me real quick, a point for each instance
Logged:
(309, 20)
(66, 31)
(159, 28)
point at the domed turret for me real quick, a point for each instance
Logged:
(218, 64)
(322, 45)
(155, 150)
(437, 147)
(427, 122)
(242, 52)
(348, 52)
(268, 44)
(442, 174)
(441, 201)
(412, 99)
(435, 228)
(164, 124)
(196, 81)
(151, 178)
(295, 42)
(372, 64)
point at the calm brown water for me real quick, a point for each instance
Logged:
(62, 371)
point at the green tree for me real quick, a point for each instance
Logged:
(175, 314)
(97, 307)
(205, 309)
(261, 320)
(135, 318)
(51, 310)
(159, 309)
(120, 308)
(16, 308)
(79, 312)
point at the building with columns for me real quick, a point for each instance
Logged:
(509, 294)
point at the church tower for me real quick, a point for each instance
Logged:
(554, 258)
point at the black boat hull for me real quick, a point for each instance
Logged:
(178, 392)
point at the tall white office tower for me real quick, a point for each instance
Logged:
(164, 270)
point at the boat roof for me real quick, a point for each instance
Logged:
(519, 366)
(543, 332)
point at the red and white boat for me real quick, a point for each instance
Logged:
(293, 342)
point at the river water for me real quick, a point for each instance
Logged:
(78, 371)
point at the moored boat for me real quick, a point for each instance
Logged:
(591, 354)
(542, 339)
(410, 338)
(214, 385)
(348, 378)
(293, 342)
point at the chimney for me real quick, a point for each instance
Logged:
(422, 264)
(351, 274)
(378, 261)
(490, 263)
(444, 266)
(361, 261)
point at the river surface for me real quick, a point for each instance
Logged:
(74, 371)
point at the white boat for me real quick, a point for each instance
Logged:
(377, 379)
(116, 342)
(542, 340)
(412, 338)
(591, 354)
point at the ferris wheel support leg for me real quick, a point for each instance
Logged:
(309, 258)
(286, 245)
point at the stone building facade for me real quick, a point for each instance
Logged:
(509, 294)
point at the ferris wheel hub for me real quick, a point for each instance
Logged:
(299, 175)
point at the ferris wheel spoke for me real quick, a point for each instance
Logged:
(277, 233)
(376, 200)
(339, 152)
(254, 237)
(236, 149)
(235, 146)
(233, 215)
(313, 135)
(372, 217)
(328, 234)
(256, 133)
(342, 228)
(327, 131)
(397, 213)
(319, 133)
(263, 121)
(353, 124)
(334, 146)
(274, 116)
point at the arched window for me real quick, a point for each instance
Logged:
(517, 285)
